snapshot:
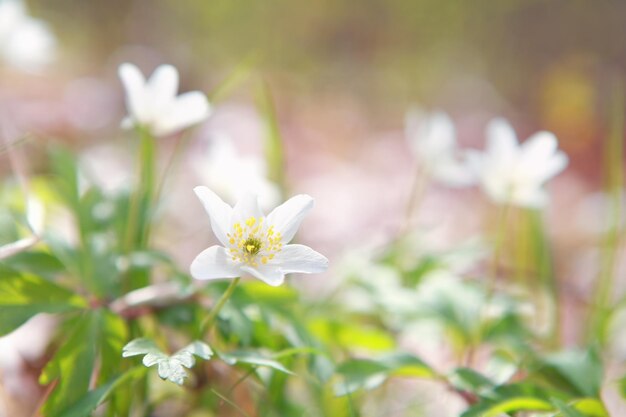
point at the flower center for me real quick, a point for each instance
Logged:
(253, 242)
(252, 245)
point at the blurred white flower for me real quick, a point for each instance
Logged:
(153, 103)
(253, 243)
(512, 173)
(432, 138)
(378, 286)
(25, 42)
(232, 175)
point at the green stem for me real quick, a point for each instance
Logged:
(477, 334)
(208, 322)
(497, 250)
(542, 257)
(603, 301)
(146, 187)
(137, 231)
(180, 146)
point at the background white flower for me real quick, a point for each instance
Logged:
(432, 138)
(253, 243)
(232, 175)
(512, 173)
(25, 42)
(154, 105)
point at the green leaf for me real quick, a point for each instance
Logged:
(254, 358)
(38, 263)
(591, 407)
(169, 367)
(263, 293)
(89, 402)
(23, 296)
(578, 371)
(351, 335)
(584, 407)
(113, 336)
(360, 374)
(369, 373)
(469, 380)
(565, 410)
(510, 399)
(72, 365)
(274, 153)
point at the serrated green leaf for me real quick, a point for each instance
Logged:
(89, 402)
(169, 367)
(113, 336)
(23, 296)
(360, 374)
(200, 349)
(254, 358)
(140, 347)
(370, 373)
(38, 263)
(590, 407)
(510, 399)
(72, 365)
(566, 410)
(469, 380)
(263, 293)
(352, 336)
(581, 370)
(407, 365)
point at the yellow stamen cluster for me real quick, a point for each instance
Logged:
(254, 242)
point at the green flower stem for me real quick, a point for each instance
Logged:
(476, 337)
(208, 322)
(175, 157)
(543, 265)
(497, 249)
(273, 142)
(603, 301)
(146, 187)
(137, 233)
(140, 209)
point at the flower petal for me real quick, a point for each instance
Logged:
(440, 134)
(301, 259)
(539, 160)
(188, 109)
(163, 86)
(214, 263)
(269, 274)
(134, 85)
(501, 141)
(555, 165)
(246, 207)
(30, 45)
(287, 217)
(218, 211)
(540, 145)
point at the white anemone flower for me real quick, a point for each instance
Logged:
(154, 105)
(232, 175)
(432, 138)
(511, 173)
(255, 244)
(25, 42)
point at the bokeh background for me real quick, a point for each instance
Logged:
(342, 74)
